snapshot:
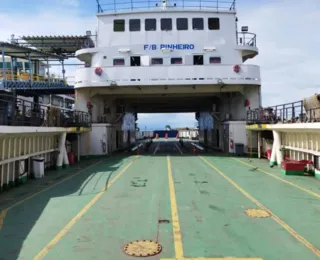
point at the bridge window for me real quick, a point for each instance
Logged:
(197, 59)
(135, 61)
(156, 61)
(213, 23)
(134, 25)
(150, 24)
(118, 25)
(166, 24)
(182, 24)
(215, 60)
(118, 62)
(197, 23)
(176, 61)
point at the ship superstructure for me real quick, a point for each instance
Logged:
(183, 56)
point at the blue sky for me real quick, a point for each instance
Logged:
(287, 38)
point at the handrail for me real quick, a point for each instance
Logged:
(25, 76)
(293, 112)
(19, 112)
(247, 39)
(134, 5)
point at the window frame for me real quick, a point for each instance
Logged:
(124, 61)
(134, 20)
(156, 58)
(124, 24)
(182, 18)
(145, 24)
(176, 63)
(214, 57)
(216, 19)
(200, 18)
(167, 19)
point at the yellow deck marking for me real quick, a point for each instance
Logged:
(280, 179)
(4, 212)
(176, 227)
(175, 218)
(63, 231)
(276, 218)
(219, 258)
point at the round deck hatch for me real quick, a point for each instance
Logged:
(142, 248)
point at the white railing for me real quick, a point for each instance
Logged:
(168, 75)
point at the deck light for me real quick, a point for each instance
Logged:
(166, 50)
(209, 48)
(124, 50)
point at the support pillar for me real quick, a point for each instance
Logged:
(4, 68)
(62, 156)
(276, 155)
(259, 144)
(277, 138)
(30, 70)
(63, 72)
(78, 147)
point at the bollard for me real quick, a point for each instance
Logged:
(194, 151)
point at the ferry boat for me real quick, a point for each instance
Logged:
(164, 198)
(184, 56)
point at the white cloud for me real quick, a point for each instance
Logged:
(54, 21)
(288, 43)
(287, 38)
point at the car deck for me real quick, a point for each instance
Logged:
(184, 205)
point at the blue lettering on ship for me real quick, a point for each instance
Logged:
(153, 47)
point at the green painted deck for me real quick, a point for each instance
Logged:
(90, 211)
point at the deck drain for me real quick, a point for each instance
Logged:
(142, 248)
(163, 221)
(257, 213)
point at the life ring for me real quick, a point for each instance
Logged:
(98, 71)
(236, 68)
(231, 144)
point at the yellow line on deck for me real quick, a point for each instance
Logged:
(280, 179)
(315, 250)
(175, 218)
(212, 258)
(4, 212)
(63, 231)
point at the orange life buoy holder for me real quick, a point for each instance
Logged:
(236, 68)
(231, 144)
(98, 71)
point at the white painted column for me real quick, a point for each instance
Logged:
(65, 157)
(278, 155)
(259, 144)
(62, 150)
